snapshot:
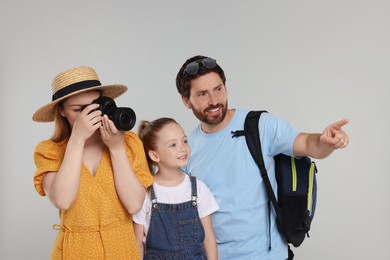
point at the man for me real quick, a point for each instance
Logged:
(226, 166)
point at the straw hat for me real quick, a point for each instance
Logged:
(72, 82)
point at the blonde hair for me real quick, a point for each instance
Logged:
(148, 133)
(62, 128)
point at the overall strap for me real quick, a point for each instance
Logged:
(194, 192)
(153, 198)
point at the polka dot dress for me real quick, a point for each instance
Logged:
(96, 226)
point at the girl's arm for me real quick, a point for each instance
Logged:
(210, 243)
(139, 235)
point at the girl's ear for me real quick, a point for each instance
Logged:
(154, 156)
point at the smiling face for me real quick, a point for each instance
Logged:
(208, 100)
(71, 107)
(172, 148)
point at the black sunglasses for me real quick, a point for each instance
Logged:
(193, 67)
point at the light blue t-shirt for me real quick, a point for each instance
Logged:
(226, 166)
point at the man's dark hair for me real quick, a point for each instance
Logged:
(183, 79)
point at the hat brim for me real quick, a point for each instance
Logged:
(46, 113)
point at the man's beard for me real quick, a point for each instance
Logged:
(211, 120)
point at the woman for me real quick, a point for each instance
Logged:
(93, 173)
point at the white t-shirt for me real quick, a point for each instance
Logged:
(174, 195)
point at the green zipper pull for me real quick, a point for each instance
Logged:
(310, 189)
(294, 174)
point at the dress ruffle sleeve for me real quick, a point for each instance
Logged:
(136, 154)
(48, 156)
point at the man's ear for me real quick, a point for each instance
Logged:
(154, 156)
(186, 102)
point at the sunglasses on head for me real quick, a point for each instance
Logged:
(193, 67)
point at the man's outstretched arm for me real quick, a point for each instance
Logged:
(320, 146)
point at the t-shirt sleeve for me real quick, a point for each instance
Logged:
(136, 154)
(277, 135)
(48, 156)
(206, 201)
(140, 216)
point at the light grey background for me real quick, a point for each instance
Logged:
(309, 62)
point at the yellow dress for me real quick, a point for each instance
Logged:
(96, 226)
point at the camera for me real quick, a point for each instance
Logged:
(123, 117)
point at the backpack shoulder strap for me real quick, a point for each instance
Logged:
(252, 137)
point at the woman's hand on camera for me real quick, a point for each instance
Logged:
(88, 121)
(111, 136)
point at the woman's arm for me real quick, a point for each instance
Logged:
(139, 236)
(62, 187)
(129, 188)
(210, 243)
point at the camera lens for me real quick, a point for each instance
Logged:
(124, 118)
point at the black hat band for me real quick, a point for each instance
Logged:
(75, 87)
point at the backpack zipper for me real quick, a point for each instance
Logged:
(294, 174)
(310, 189)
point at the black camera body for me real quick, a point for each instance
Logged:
(123, 117)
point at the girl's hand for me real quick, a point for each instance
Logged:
(87, 122)
(111, 136)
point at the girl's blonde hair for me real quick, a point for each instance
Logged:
(148, 133)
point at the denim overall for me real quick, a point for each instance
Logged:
(175, 230)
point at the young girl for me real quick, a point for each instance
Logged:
(93, 173)
(175, 219)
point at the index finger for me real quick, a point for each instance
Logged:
(87, 109)
(340, 123)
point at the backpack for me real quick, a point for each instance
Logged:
(297, 185)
